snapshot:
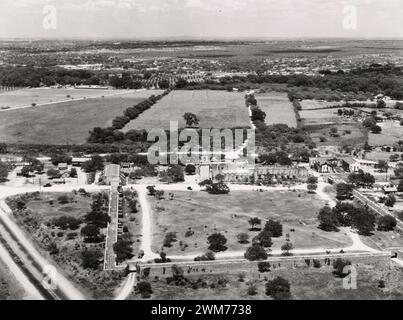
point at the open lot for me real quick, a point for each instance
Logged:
(215, 109)
(320, 117)
(278, 108)
(229, 214)
(26, 97)
(391, 133)
(381, 240)
(305, 284)
(67, 122)
(317, 104)
(347, 134)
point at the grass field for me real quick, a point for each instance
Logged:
(26, 97)
(319, 117)
(348, 134)
(67, 122)
(391, 133)
(215, 109)
(317, 104)
(229, 214)
(306, 284)
(278, 108)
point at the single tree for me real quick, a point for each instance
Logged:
(390, 201)
(256, 253)
(255, 223)
(217, 242)
(191, 120)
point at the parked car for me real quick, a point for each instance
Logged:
(48, 185)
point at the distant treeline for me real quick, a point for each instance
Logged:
(374, 79)
(26, 76)
(87, 148)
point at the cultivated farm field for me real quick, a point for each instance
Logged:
(278, 108)
(215, 109)
(67, 122)
(42, 96)
(228, 214)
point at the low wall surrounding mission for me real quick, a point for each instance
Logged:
(225, 266)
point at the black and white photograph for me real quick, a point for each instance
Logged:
(223, 153)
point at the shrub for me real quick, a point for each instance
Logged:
(144, 289)
(317, 264)
(63, 199)
(209, 256)
(169, 239)
(243, 238)
(217, 188)
(264, 266)
(252, 290)
(278, 289)
(91, 259)
(339, 267)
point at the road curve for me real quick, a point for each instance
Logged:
(64, 285)
(31, 293)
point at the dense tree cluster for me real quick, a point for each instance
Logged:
(123, 250)
(344, 191)
(346, 215)
(28, 76)
(173, 174)
(96, 219)
(96, 163)
(279, 136)
(361, 179)
(371, 124)
(66, 223)
(91, 258)
(60, 158)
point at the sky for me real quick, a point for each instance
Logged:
(132, 19)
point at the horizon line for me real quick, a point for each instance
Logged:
(198, 38)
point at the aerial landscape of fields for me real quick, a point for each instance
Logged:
(100, 200)
(65, 122)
